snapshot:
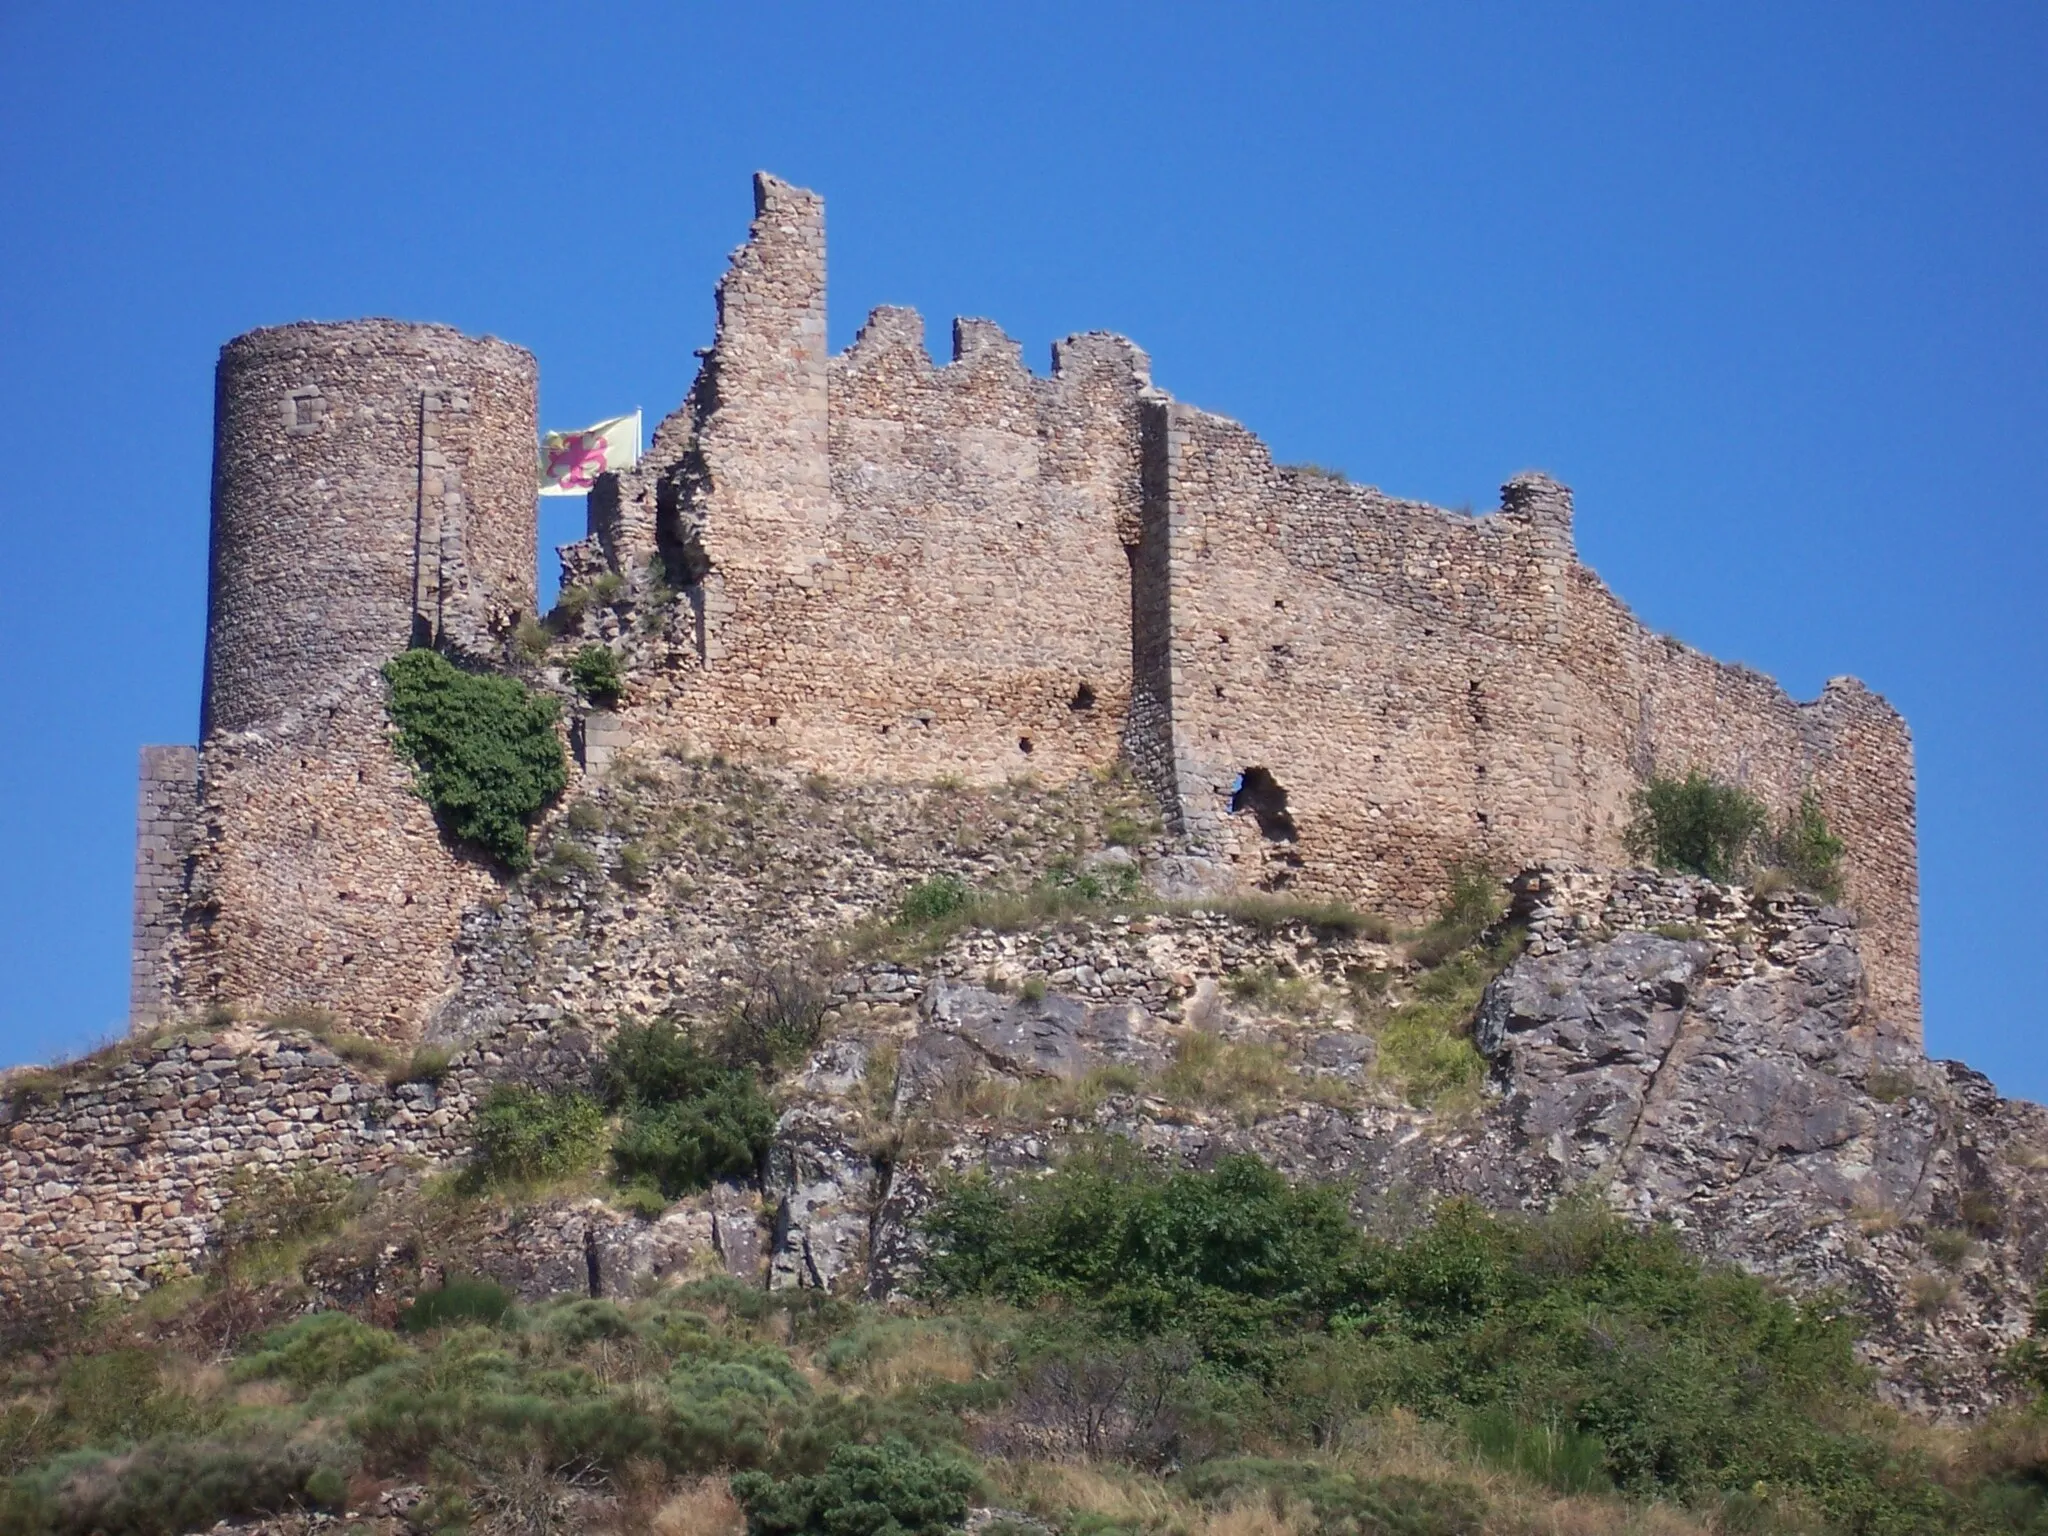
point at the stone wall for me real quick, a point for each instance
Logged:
(877, 568)
(167, 804)
(896, 570)
(1365, 693)
(320, 879)
(373, 488)
(115, 1171)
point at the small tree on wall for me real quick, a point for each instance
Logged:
(484, 750)
(1703, 827)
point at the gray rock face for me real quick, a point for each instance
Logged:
(1734, 1085)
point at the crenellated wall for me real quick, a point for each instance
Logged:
(904, 570)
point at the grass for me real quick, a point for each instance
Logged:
(1425, 1041)
(1243, 1078)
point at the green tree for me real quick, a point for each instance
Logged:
(1697, 825)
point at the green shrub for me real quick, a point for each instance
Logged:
(1696, 825)
(523, 1133)
(1587, 1334)
(429, 1064)
(1472, 905)
(1807, 851)
(164, 1489)
(594, 672)
(323, 1350)
(933, 901)
(891, 1489)
(484, 749)
(688, 1119)
(458, 1300)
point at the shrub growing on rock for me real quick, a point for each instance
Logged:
(594, 670)
(523, 1133)
(687, 1118)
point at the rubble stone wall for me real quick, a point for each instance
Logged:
(363, 473)
(166, 812)
(908, 570)
(320, 879)
(1429, 688)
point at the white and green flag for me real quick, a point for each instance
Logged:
(570, 462)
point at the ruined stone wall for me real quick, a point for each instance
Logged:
(320, 879)
(1429, 688)
(908, 570)
(166, 812)
(114, 1172)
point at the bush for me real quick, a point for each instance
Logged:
(891, 1489)
(323, 1350)
(688, 1119)
(161, 1490)
(594, 671)
(1471, 906)
(1573, 1347)
(1696, 825)
(523, 1133)
(779, 1016)
(933, 901)
(459, 1300)
(484, 749)
(1807, 851)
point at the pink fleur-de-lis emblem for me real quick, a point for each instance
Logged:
(577, 461)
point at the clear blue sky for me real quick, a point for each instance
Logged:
(1763, 283)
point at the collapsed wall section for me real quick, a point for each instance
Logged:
(900, 570)
(1367, 693)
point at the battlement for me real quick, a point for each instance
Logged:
(894, 568)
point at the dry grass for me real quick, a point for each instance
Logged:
(1389, 1445)
(1241, 1077)
(704, 1508)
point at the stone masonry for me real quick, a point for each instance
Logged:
(894, 570)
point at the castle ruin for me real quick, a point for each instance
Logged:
(895, 570)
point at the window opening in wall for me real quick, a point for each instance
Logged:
(1084, 698)
(1024, 744)
(305, 410)
(1260, 793)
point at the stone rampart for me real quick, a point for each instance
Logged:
(879, 568)
(1365, 693)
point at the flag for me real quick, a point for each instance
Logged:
(571, 461)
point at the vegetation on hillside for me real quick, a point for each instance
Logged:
(1108, 1350)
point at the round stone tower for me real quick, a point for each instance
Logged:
(373, 486)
